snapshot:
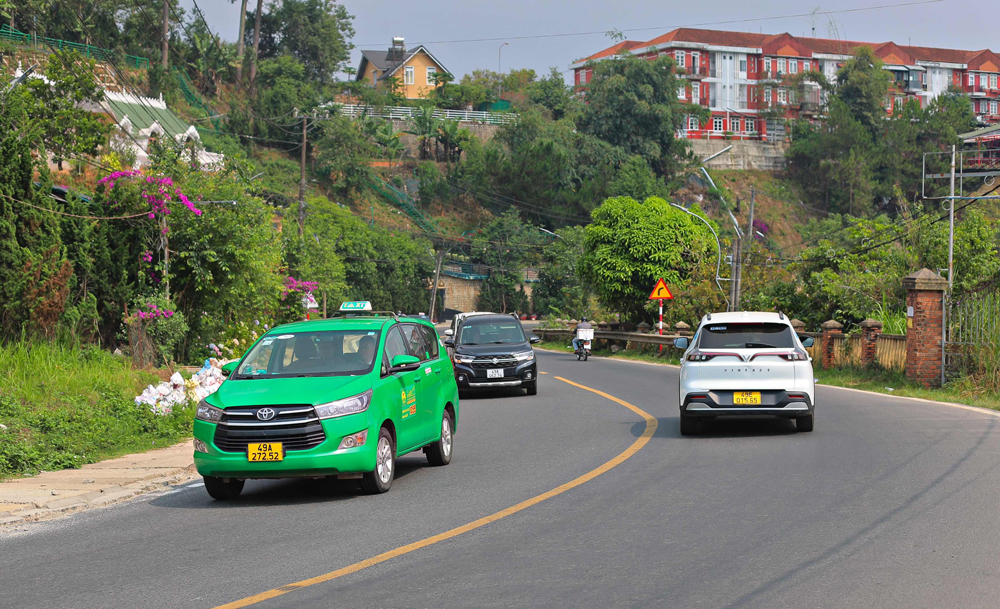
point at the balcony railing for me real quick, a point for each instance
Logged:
(695, 71)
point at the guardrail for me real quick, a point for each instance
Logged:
(86, 50)
(629, 337)
(406, 113)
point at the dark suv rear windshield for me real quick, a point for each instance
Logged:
(746, 336)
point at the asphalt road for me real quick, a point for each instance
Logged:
(890, 503)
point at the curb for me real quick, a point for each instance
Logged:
(58, 508)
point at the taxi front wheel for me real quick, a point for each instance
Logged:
(380, 479)
(439, 453)
(223, 488)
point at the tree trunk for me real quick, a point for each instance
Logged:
(240, 47)
(256, 47)
(165, 49)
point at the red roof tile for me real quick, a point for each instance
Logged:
(719, 37)
(614, 50)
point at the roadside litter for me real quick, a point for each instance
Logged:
(162, 398)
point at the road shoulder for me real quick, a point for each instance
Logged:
(50, 495)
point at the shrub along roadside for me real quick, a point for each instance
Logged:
(64, 407)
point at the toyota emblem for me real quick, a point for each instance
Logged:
(495, 360)
(265, 414)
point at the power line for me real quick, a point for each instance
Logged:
(671, 27)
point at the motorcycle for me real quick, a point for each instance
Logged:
(585, 336)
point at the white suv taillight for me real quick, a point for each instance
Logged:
(795, 356)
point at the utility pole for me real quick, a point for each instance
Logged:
(165, 243)
(739, 267)
(733, 263)
(241, 47)
(256, 47)
(165, 49)
(499, 77)
(302, 175)
(951, 222)
(439, 260)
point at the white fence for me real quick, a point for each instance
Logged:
(405, 113)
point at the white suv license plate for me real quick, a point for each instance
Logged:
(494, 373)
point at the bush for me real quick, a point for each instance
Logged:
(155, 330)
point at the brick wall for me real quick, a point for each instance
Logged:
(924, 290)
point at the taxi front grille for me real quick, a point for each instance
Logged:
(296, 426)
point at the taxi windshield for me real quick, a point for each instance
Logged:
(318, 353)
(490, 331)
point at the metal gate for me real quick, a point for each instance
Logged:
(972, 333)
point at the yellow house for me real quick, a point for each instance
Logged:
(413, 69)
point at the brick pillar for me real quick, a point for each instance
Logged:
(831, 329)
(798, 326)
(924, 291)
(870, 329)
(682, 329)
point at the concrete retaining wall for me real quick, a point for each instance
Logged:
(746, 154)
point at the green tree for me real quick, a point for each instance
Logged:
(863, 85)
(632, 104)
(316, 33)
(56, 107)
(560, 289)
(630, 245)
(505, 246)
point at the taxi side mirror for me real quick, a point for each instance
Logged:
(682, 342)
(404, 363)
(227, 369)
(808, 342)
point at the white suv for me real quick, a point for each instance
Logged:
(745, 363)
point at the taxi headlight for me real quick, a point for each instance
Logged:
(524, 356)
(207, 412)
(351, 405)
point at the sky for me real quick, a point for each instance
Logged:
(962, 24)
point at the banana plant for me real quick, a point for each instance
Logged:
(448, 136)
(425, 127)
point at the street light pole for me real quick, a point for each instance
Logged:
(499, 70)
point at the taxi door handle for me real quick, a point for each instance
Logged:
(416, 380)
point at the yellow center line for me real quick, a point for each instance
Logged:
(465, 528)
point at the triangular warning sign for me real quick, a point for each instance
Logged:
(661, 291)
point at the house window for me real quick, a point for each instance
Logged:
(681, 92)
(734, 124)
(693, 124)
(767, 64)
(679, 56)
(993, 107)
(717, 123)
(743, 65)
(793, 66)
(662, 54)
(767, 96)
(993, 81)
(782, 96)
(431, 75)
(751, 125)
(695, 62)
(408, 78)
(374, 77)
(972, 80)
(781, 65)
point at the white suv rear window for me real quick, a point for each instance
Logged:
(746, 336)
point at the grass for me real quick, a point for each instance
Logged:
(647, 354)
(64, 407)
(961, 391)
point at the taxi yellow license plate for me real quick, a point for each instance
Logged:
(746, 398)
(265, 451)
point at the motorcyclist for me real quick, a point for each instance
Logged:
(583, 325)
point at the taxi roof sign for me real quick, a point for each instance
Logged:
(363, 305)
(661, 292)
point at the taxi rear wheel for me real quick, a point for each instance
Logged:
(380, 479)
(439, 453)
(223, 489)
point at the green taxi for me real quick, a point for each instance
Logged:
(340, 397)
